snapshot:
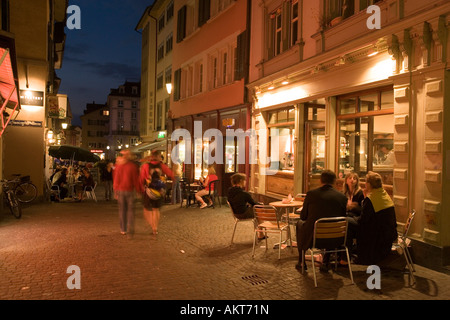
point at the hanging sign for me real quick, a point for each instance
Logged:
(32, 98)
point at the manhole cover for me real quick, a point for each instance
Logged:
(254, 280)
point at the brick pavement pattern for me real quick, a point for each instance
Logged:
(190, 259)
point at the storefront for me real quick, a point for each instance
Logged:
(210, 139)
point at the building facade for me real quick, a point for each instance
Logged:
(332, 92)
(124, 117)
(156, 26)
(95, 124)
(210, 64)
(36, 48)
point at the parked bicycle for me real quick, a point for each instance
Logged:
(10, 197)
(24, 189)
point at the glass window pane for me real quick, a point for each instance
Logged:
(230, 154)
(272, 117)
(291, 116)
(368, 103)
(282, 116)
(281, 142)
(347, 106)
(383, 149)
(353, 146)
(387, 100)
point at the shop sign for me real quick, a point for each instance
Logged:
(57, 106)
(161, 135)
(32, 98)
(97, 151)
(228, 122)
(26, 123)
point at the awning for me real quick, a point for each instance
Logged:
(9, 95)
(148, 146)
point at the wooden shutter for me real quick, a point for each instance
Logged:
(181, 24)
(177, 85)
(242, 54)
(203, 11)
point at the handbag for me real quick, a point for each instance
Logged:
(155, 194)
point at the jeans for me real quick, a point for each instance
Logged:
(176, 190)
(108, 189)
(126, 211)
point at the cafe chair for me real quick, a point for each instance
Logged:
(236, 221)
(330, 235)
(54, 191)
(89, 192)
(186, 193)
(213, 194)
(268, 221)
(403, 243)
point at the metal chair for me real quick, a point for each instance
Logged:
(213, 192)
(236, 221)
(403, 244)
(54, 190)
(268, 221)
(330, 235)
(89, 192)
(186, 192)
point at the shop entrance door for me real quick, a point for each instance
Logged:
(314, 154)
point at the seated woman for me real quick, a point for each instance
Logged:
(204, 192)
(377, 224)
(355, 197)
(88, 182)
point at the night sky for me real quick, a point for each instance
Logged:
(103, 54)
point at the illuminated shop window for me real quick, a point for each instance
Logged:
(366, 134)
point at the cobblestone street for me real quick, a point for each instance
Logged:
(190, 259)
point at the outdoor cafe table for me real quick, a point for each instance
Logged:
(287, 206)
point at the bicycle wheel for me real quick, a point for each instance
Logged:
(14, 206)
(26, 192)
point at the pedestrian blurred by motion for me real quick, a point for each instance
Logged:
(176, 188)
(154, 189)
(107, 179)
(125, 183)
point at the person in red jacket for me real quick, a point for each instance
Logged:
(126, 182)
(151, 173)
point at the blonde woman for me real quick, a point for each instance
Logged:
(354, 194)
(204, 192)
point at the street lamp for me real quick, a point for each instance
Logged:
(169, 88)
(64, 125)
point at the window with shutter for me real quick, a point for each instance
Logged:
(177, 85)
(203, 11)
(181, 24)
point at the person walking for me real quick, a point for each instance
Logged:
(176, 187)
(107, 178)
(125, 183)
(154, 189)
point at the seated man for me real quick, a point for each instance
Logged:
(61, 182)
(323, 202)
(378, 224)
(241, 202)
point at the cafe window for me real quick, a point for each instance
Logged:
(281, 139)
(366, 134)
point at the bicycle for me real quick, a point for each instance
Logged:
(10, 197)
(24, 189)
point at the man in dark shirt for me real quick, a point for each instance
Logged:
(241, 202)
(323, 202)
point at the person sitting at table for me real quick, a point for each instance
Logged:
(241, 202)
(204, 192)
(61, 182)
(355, 197)
(88, 183)
(378, 223)
(323, 202)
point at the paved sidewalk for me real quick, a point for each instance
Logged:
(190, 259)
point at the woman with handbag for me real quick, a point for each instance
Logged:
(153, 198)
